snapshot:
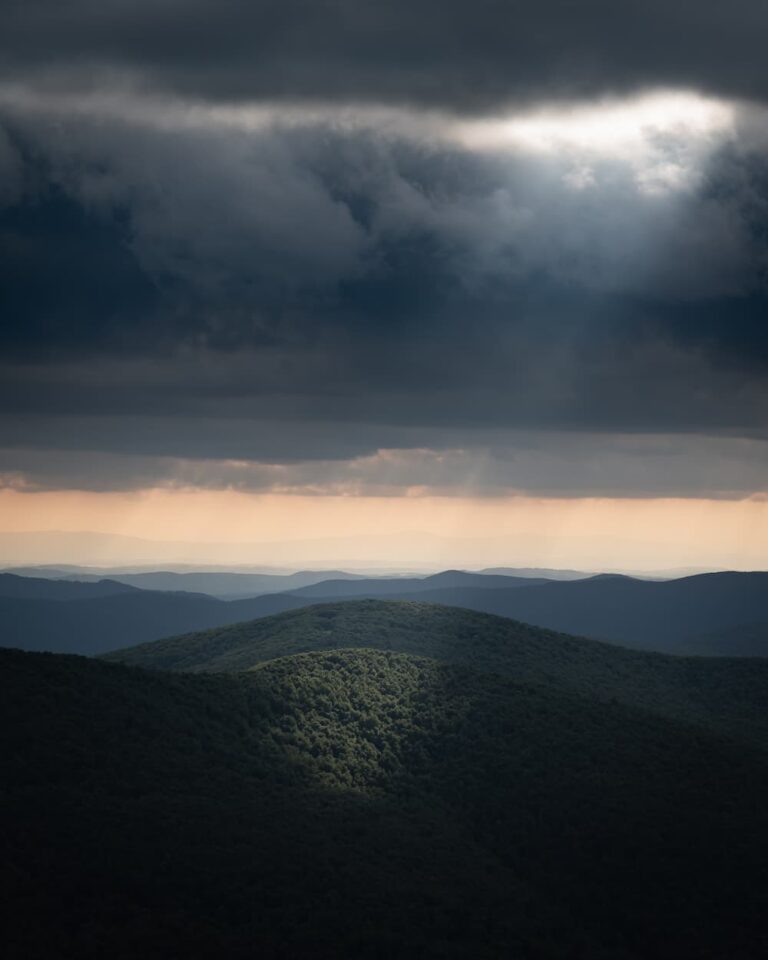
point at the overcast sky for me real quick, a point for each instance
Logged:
(361, 249)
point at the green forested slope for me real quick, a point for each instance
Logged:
(729, 695)
(360, 803)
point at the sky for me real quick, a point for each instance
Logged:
(456, 281)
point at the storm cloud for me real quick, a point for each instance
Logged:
(452, 53)
(243, 247)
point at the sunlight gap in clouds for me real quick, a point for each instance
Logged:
(607, 126)
(664, 137)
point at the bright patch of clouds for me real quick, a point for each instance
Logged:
(604, 127)
(664, 138)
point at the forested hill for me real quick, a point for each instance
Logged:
(366, 804)
(725, 694)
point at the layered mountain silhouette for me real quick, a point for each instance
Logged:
(221, 584)
(39, 588)
(400, 586)
(108, 623)
(665, 615)
(715, 614)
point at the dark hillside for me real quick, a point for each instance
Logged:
(357, 804)
(746, 639)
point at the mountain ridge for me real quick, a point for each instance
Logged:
(17, 587)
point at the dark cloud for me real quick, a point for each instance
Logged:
(452, 53)
(492, 464)
(269, 303)
(353, 252)
(69, 279)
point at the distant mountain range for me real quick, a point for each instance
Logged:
(669, 616)
(709, 614)
(401, 586)
(37, 588)
(224, 585)
(65, 616)
(543, 573)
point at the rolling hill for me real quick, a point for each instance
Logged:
(723, 694)
(367, 803)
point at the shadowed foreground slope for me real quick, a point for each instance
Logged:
(726, 694)
(360, 803)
